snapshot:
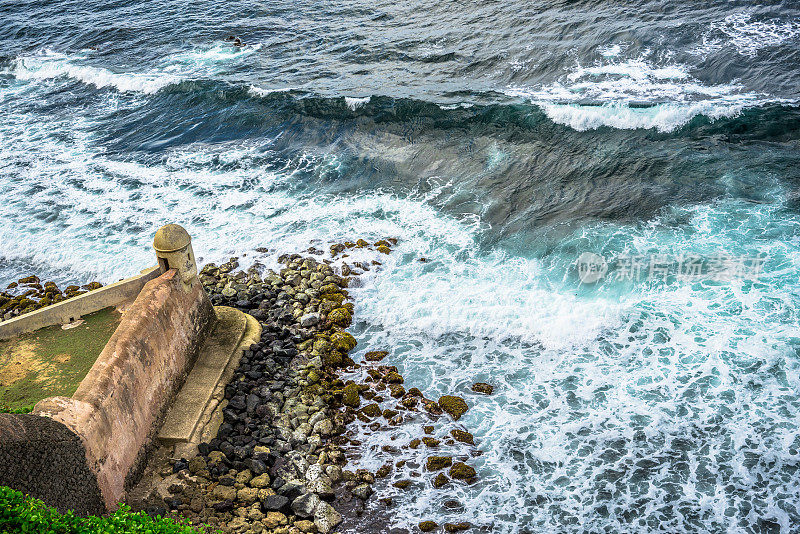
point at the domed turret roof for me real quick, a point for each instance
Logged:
(170, 238)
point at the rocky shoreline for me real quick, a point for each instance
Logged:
(279, 461)
(29, 294)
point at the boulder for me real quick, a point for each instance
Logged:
(462, 471)
(455, 406)
(482, 387)
(435, 463)
(305, 504)
(326, 518)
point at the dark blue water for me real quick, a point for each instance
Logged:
(500, 141)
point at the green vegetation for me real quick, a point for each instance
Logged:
(27, 515)
(52, 361)
(5, 408)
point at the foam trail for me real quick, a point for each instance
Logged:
(193, 64)
(51, 65)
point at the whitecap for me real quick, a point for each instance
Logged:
(355, 102)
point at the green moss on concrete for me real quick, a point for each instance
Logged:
(52, 361)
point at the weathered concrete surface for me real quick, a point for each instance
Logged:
(119, 406)
(43, 458)
(195, 415)
(184, 414)
(72, 309)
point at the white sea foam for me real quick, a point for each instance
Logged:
(49, 65)
(600, 401)
(662, 117)
(746, 35)
(260, 91)
(355, 102)
(193, 64)
(633, 93)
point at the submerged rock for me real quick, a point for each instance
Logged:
(455, 406)
(435, 463)
(376, 355)
(462, 471)
(482, 387)
(428, 526)
(350, 396)
(463, 436)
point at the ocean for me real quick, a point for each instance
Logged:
(501, 141)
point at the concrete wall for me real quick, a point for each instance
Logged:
(71, 309)
(118, 407)
(44, 458)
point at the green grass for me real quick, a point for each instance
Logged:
(51, 361)
(24, 514)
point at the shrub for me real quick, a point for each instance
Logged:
(4, 408)
(24, 514)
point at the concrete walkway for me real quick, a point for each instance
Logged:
(194, 414)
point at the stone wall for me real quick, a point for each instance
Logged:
(72, 309)
(44, 458)
(118, 407)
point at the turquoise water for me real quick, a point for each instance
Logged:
(500, 142)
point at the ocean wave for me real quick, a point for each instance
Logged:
(634, 93)
(355, 102)
(627, 94)
(52, 65)
(197, 63)
(662, 117)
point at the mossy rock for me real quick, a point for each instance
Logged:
(371, 410)
(382, 243)
(409, 402)
(463, 436)
(457, 527)
(440, 480)
(91, 286)
(332, 359)
(414, 392)
(335, 298)
(389, 413)
(330, 289)
(483, 387)
(361, 243)
(322, 345)
(341, 317)
(376, 355)
(393, 377)
(462, 471)
(350, 396)
(455, 406)
(383, 471)
(396, 390)
(384, 249)
(431, 442)
(415, 443)
(431, 407)
(32, 279)
(428, 526)
(436, 463)
(402, 484)
(343, 341)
